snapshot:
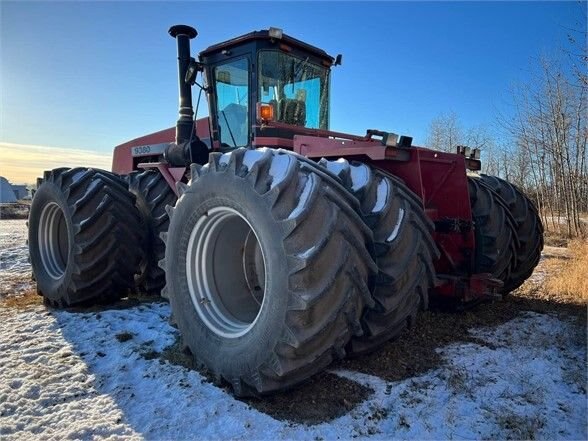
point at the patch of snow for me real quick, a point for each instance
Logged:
(279, 168)
(15, 269)
(303, 199)
(225, 158)
(14, 253)
(252, 156)
(394, 232)
(359, 176)
(336, 167)
(514, 385)
(381, 196)
(306, 254)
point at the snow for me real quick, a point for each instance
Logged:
(279, 168)
(66, 375)
(13, 247)
(309, 185)
(381, 196)
(15, 269)
(225, 158)
(394, 232)
(360, 175)
(252, 156)
(336, 167)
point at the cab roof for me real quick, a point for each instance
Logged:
(265, 35)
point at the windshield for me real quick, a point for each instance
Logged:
(297, 89)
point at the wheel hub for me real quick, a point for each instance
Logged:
(53, 240)
(225, 269)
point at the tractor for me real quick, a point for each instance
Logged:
(280, 245)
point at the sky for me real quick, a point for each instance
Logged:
(87, 76)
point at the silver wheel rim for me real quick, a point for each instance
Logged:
(53, 240)
(225, 269)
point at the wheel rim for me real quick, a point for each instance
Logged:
(53, 240)
(225, 268)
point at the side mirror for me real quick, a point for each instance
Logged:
(192, 71)
(338, 60)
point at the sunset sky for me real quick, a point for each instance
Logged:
(78, 78)
(22, 163)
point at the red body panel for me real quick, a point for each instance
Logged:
(123, 161)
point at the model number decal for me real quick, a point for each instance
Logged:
(146, 150)
(142, 150)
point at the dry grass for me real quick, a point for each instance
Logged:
(568, 278)
(23, 300)
(556, 230)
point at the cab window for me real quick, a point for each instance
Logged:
(232, 102)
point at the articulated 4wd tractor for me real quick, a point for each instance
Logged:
(280, 245)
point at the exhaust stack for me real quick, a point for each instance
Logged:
(185, 125)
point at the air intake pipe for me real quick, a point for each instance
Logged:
(185, 125)
(180, 153)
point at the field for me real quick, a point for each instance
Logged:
(513, 368)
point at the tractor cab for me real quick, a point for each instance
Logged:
(265, 84)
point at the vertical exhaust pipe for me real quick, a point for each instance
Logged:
(185, 125)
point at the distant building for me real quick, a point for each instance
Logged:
(21, 191)
(10, 193)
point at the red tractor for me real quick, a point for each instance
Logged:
(280, 245)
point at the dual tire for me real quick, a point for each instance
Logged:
(152, 194)
(404, 251)
(527, 230)
(83, 235)
(268, 269)
(277, 265)
(508, 231)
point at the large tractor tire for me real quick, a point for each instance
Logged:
(267, 268)
(528, 227)
(404, 251)
(84, 240)
(494, 231)
(153, 194)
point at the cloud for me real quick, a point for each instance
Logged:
(22, 163)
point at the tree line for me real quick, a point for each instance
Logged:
(543, 143)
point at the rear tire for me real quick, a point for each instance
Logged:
(153, 194)
(84, 243)
(494, 231)
(528, 227)
(404, 251)
(267, 269)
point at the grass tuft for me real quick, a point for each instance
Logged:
(24, 300)
(568, 278)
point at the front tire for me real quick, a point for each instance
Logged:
(267, 269)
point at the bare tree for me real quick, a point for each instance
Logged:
(550, 133)
(446, 132)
